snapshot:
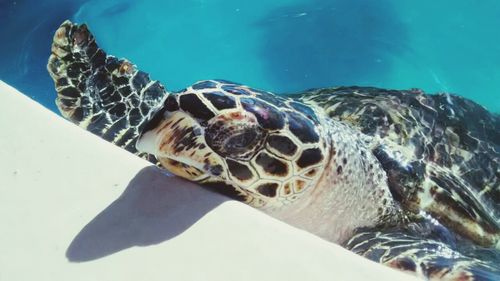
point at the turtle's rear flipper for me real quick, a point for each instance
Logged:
(427, 255)
(100, 93)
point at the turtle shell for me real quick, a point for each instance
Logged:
(440, 152)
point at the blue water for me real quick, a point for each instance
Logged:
(279, 45)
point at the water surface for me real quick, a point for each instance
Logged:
(281, 45)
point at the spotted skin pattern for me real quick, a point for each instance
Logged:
(379, 171)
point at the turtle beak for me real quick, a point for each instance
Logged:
(148, 142)
(149, 138)
(177, 140)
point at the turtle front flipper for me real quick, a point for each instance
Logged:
(98, 92)
(426, 252)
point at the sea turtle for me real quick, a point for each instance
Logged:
(404, 178)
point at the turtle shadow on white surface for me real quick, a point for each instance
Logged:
(154, 207)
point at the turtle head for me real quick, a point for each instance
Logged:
(260, 148)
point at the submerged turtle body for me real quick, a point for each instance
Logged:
(400, 177)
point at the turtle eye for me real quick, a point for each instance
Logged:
(236, 139)
(241, 141)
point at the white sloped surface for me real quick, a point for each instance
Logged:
(74, 207)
